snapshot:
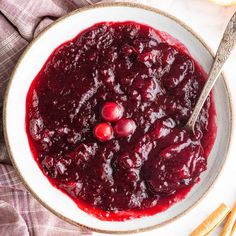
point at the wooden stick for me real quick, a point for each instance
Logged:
(208, 234)
(233, 231)
(230, 222)
(212, 221)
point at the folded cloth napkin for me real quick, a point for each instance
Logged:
(20, 22)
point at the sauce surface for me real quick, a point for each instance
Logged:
(156, 83)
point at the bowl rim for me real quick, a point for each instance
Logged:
(5, 104)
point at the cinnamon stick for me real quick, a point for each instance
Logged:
(212, 221)
(233, 231)
(229, 222)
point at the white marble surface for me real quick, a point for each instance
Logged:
(209, 21)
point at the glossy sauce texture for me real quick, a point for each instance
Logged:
(156, 82)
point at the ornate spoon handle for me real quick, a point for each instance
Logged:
(226, 45)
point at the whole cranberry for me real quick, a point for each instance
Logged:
(124, 127)
(103, 132)
(111, 111)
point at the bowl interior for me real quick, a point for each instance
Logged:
(31, 63)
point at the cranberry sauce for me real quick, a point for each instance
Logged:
(104, 120)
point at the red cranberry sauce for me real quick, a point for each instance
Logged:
(144, 161)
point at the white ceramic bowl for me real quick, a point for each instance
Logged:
(28, 67)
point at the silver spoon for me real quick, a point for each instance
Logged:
(226, 45)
